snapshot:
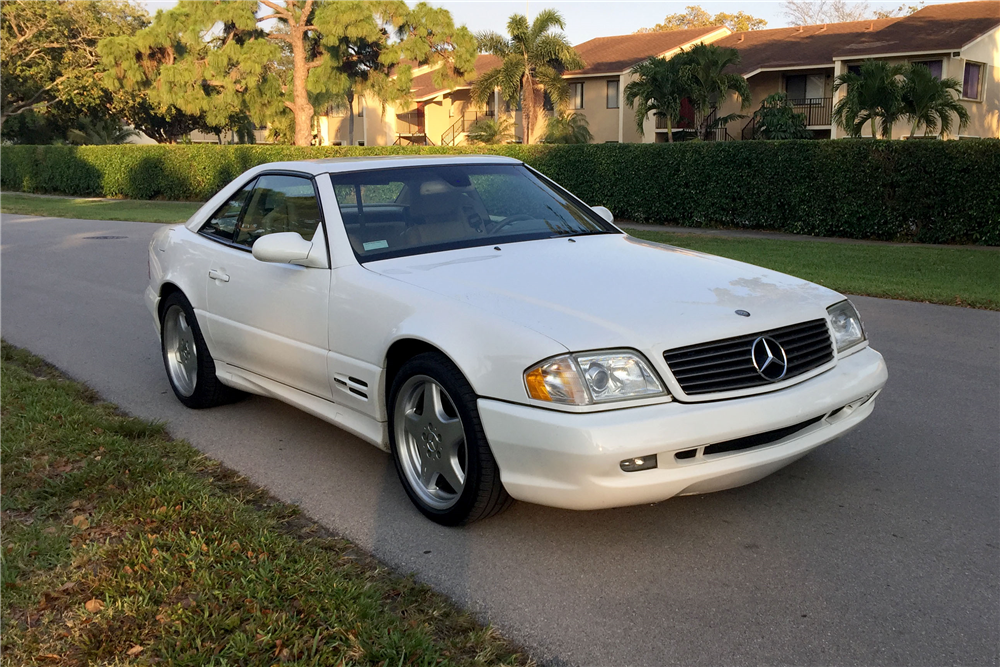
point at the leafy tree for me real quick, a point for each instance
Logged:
(207, 60)
(873, 93)
(490, 131)
(568, 128)
(658, 86)
(812, 12)
(100, 132)
(367, 40)
(50, 59)
(271, 61)
(739, 22)
(706, 69)
(534, 58)
(777, 119)
(163, 125)
(696, 17)
(902, 10)
(928, 101)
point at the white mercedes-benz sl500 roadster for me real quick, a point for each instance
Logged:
(499, 337)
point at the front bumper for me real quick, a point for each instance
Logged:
(571, 460)
(152, 300)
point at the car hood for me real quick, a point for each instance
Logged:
(610, 290)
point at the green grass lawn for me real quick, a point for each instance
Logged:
(123, 546)
(98, 209)
(955, 276)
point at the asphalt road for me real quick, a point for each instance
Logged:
(880, 548)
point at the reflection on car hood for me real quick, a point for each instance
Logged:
(613, 290)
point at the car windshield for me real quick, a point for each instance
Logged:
(415, 210)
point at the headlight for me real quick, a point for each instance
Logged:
(592, 377)
(846, 324)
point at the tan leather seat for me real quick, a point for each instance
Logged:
(440, 214)
(302, 216)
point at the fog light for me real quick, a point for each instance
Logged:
(639, 463)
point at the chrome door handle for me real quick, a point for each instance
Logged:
(218, 275)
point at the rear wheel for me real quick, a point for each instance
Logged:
(190, 368)
(438, 444)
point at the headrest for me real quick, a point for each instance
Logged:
(434, 188)
(440, 202)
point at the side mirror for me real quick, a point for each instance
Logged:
(284, 248)
(604, 212)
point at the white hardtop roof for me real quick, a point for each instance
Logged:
(340, 164)
(335, 165)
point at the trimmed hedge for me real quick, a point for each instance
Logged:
(925, 191)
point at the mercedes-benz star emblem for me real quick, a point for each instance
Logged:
(769, 358)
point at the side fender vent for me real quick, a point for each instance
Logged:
(352, 386)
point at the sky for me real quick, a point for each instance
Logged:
(586, 19)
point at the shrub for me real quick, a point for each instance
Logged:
(933, 192)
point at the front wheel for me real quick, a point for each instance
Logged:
(190, 368)
(438, 444)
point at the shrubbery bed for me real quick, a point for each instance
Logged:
(925, 191)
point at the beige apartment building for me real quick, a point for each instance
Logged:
(597, 91)
(958, 40)
(442, 116)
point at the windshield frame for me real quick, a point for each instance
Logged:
(604, 226)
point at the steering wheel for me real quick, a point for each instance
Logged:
(509, 219)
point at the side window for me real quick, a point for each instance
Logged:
(279, 204)
(222, 225)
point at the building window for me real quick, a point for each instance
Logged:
(802, 87)
(935, 66)
(613, 94)
(576, 96)
(973, 83)
(491, 105)
(547, 101)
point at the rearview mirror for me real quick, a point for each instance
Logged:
(285, 248)
(604, 212)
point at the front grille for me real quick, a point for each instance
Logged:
(726, 365)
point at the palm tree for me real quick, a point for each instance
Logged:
(704, 66)
(99, 132)
(568, 128)
(533, 59)
(489, 131)
(657, 87)
(874, 93)
(928, 101)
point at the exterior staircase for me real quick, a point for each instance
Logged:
(455, 134)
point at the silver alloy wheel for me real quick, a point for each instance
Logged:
(180, 350)
(430, 442)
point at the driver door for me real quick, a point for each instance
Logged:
(268, 318)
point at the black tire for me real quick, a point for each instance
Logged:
(207, 391)
(483, 494)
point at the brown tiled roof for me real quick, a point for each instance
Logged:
(798, 47)
(613, 55)
(935, 28)
(423, 86)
